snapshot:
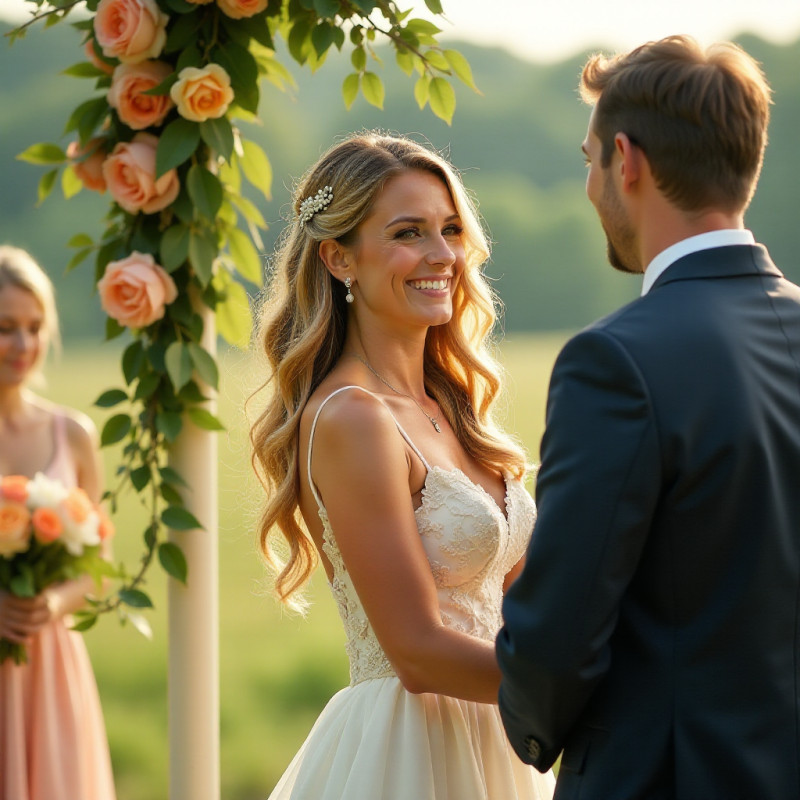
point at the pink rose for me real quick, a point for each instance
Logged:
(130, 30)
(127, 94)
(87, 162)
(130, 172)
(88, 48)
(135, 290)
(201, 94)
(237, 9)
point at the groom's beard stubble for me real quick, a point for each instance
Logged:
(620, 236)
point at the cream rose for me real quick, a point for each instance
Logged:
(130, 30)
(201, 94)
(127, 94)
(135, 290)
(130, 173)
(88, 163)
(237, 9)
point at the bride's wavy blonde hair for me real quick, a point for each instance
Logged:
(303, 320)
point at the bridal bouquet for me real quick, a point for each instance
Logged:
(48, 534)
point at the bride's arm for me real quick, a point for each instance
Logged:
(361, 469)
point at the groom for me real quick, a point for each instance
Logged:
(654, 634)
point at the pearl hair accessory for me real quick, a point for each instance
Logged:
(311, 205)
(349, 296)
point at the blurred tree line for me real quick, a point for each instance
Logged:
(517, 145)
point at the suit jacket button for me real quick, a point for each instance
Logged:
(533, 747)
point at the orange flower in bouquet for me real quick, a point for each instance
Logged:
(48, 534)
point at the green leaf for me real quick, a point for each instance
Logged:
(177, 143)
(169, 424)
(173, 561)
(436, 60)
(350, 89)
(174, 247)
(180, 519)
(434, 6)
(135, 598)
(170, 495)
(461, 68)
(323, 36)
(442, 99)
(140, 477)
(86, 621)
(83, 69)
(113, 329)
(189, 57)
(405, 61)
(241, 65)
(249, 210)
(147, 386)
(358, 59)
(172, 476)
(115, 429)
(326, 8)
(245, 256)
(80, 240)
(43, 154)
(132, 361)
(87, 116)
(205, 191)
(111, 397)
(202, 252)
(179, 364)
(46, 183)
(256, 167)
(372, 89)
(422, 26)
(81, 255)
(299, 40)
(182, 31)
(205, 419)
(234, 318)
(140, 623)
(23, 585)
(218, 135)
(422, 90)
(205, 364)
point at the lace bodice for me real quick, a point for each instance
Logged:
(471, 545)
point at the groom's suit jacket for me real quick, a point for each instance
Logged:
(654, 633)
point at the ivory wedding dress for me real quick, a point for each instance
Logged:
(375, 740)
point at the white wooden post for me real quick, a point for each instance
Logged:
(193, 675)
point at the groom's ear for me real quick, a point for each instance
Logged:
(336, 257)
(629, 162)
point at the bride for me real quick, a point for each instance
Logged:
(378, 429)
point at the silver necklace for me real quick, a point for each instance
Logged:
(433, 420)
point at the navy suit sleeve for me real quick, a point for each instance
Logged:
(596, 492)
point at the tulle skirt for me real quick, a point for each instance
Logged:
(376, 741)
(52, 737)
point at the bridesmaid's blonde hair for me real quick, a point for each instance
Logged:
(303, 320)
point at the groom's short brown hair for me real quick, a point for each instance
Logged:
(700, 116)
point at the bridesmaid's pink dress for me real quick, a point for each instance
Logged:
(53, 742)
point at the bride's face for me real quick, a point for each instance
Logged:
(409, 253)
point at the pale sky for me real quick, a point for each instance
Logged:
(546, 30)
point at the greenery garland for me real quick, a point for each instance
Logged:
(170, 78)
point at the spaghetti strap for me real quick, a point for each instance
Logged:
(314, 427)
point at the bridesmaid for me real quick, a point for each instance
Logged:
(52, 737)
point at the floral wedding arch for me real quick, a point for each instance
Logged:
(158, 131)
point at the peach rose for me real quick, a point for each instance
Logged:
(47, 525)
(105, 527)
(78, 505)
(201, 94)
(127, 94)
(135, 290)
(88, 163)
(130, 30)
(242, 8)
(130, 172)
(14, 488)
(88, 48)
(14, 534)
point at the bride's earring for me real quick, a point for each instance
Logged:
(349, 296)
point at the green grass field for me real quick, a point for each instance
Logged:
(276, 670)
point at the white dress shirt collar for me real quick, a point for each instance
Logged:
(703, 241)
